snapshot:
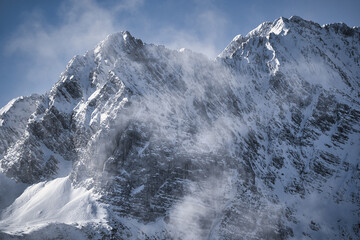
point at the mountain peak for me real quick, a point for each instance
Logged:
(124, 35)
(117, 42)
(295, 18)
(280, 25)
(283, 26)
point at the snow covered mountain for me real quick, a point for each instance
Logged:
(136, 141)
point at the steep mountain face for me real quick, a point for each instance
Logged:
(136, 141)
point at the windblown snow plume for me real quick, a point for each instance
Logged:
(137, 141)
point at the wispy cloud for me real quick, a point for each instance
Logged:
(48, 47)
(128, 5)
(205, 30)
(45, 48)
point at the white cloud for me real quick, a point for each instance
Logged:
(128, 5)
(206, 31)
(198, 213)
(45, 48)
(48, 47)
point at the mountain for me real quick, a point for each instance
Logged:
(136, 141)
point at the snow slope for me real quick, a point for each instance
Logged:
(56, 201)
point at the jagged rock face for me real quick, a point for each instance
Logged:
(262, 143)
(309, 92)
(13, 119)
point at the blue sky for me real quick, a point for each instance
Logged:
(39, 37)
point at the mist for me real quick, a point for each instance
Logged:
(175, 121)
